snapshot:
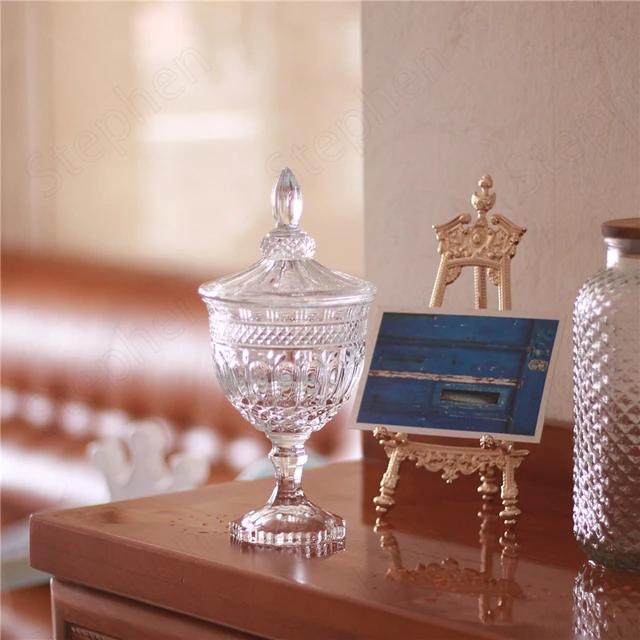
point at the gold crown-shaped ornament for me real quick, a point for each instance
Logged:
(463, 243)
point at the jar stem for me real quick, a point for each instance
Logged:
(288, 457)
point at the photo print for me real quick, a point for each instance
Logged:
(459, 375)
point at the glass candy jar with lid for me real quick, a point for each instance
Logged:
(288, 340)
(606, 354)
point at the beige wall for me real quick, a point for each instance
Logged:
(28, 220)
(544, 97)
(169, 123)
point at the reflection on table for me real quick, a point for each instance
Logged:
(450, 577)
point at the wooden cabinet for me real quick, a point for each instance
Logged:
(85, 614)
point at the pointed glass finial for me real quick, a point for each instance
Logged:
(286, 200)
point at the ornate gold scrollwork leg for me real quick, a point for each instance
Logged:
(389, 545)
(509, 493)
(508, 562)
(488, 486)
(437, 295)
(488, 490)
(389, 482)
(480, 285)
(504, 290)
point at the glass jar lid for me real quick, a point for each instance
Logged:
(287, 274)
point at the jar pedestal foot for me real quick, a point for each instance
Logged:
(302, 524)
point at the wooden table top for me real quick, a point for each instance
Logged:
(173, 551)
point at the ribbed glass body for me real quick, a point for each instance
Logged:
(606, 352)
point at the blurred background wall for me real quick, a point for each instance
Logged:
(151, 133)
(544, 96)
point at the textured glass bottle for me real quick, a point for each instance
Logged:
(606, 354)
(288, 341)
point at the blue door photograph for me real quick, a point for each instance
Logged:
(460, 374)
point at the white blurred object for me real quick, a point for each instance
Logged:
(63, 483)
(39, 410)
(146, 472)
(143, 473)
(112, 423)
(243, 452)
(76, 418)
(203, 442)
(9, 403)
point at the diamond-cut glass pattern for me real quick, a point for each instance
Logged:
(606, 604)
(295, 247)
(291, 336)
(607, 417)
(287, 328)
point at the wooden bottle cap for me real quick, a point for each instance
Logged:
(623, 228)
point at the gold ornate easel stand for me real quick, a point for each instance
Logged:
(463, 243)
